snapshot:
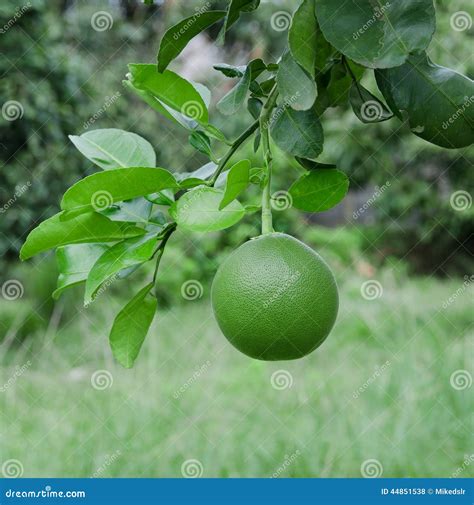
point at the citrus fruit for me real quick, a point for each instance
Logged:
(274, 298)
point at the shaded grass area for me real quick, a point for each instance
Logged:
(378, 389)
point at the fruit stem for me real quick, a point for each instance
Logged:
(235, 145)
(265, 118)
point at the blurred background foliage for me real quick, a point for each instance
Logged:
(68, 78)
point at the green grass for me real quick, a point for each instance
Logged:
(230, 418)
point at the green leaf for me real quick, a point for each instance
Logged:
(171, 89)
(137, 210)
(297, 132)
(174, 116)
(251, 209)
(74, 264)
(319, 190)
(131, 327)
(111, 148)
(296, 87)
(336, 91)
(439, 101)
(257, 140)
(262, 89)
(177, 117)
(233, 14)
(374, 33)
(203, 91)
(236, 7)
(258, 176)
(100, 191)
(326, 54)
(125, 254)
(84, 228)
(191, 179)
(165, 197)
(201, 142)
(230, 71)
(232, 102)
(257, 67)
(313, 165)
(238, 180)
(177, 37)
(154, 103)
(307, 43)
(302, 36)
(366, 106)
(158, 218)
(254, 106)
(215, 133)
(198, 210)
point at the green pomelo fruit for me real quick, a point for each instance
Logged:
(275, 298)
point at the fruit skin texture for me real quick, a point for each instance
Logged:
(275, 298)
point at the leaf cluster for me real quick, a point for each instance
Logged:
(118, 219)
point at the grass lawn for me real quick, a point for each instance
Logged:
(380, 388)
